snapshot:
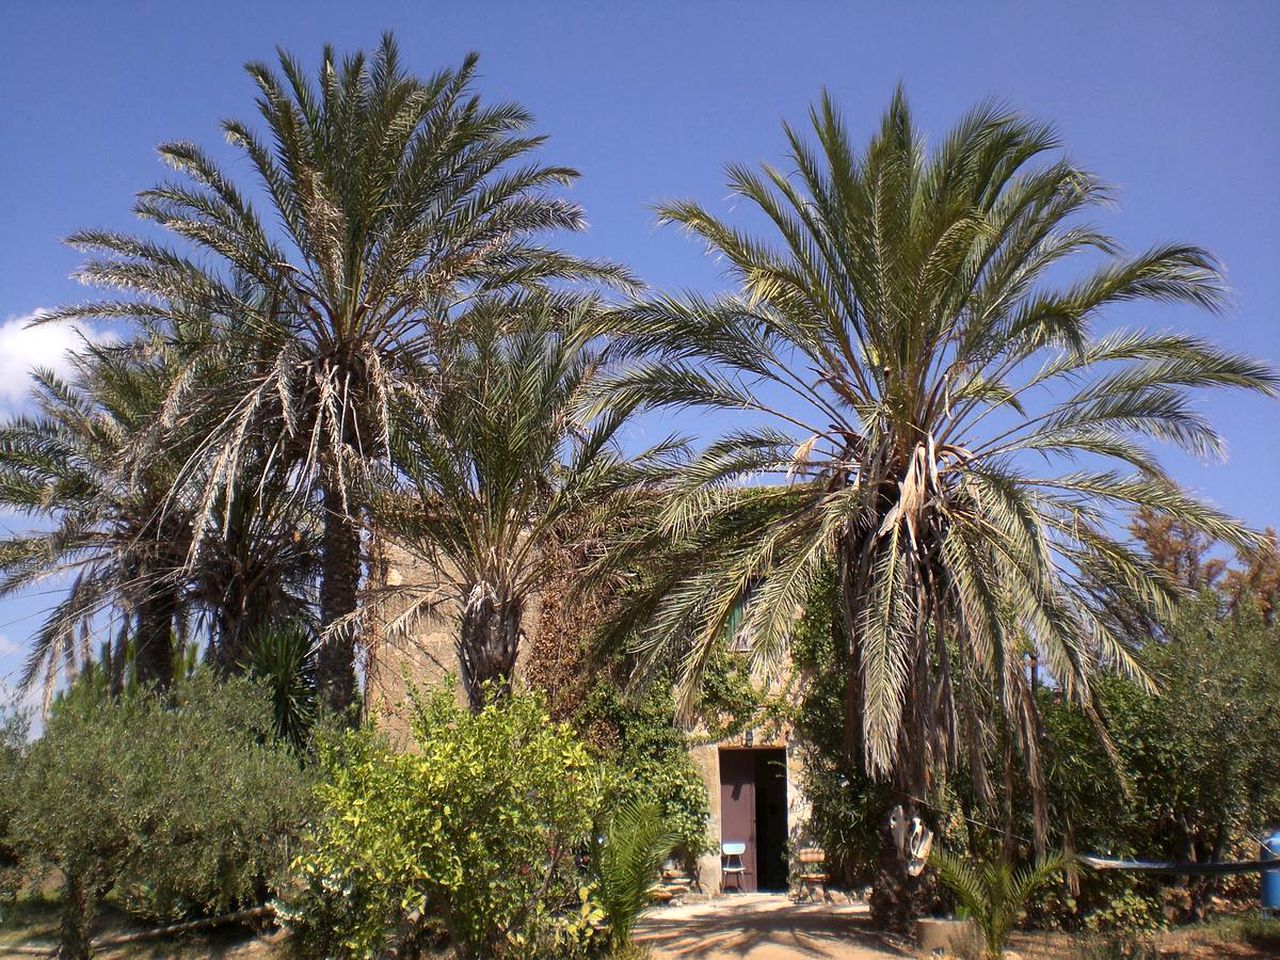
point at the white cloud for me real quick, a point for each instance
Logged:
(7, 647)
(24, 348)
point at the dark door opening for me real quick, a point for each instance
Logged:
(753, 811)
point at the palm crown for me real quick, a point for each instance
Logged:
(931, 418)
(108, 530)
(511, 470)
(399, 205)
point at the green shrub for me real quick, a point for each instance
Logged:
(1262, 933)
(13, 735)
(181, 804)
(627, 853)
(646, 759)
(476, 830)
(1117, 946)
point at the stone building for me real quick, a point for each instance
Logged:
(752, 780)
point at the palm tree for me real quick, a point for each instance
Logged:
(395, 202)
(626, 857)
(118, 523)
(934, 416)
(509, 468)
(104, 520)
(994, 894)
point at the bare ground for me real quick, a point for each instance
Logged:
(765, 927)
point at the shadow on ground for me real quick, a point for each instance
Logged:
(765, 928)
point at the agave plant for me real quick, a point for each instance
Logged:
(395, 206)
(626, 857)
(993, 893)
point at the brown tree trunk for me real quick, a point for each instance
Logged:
(488, 644)
(339, 589)
(897, 898)
(76, 930)
(153, 652)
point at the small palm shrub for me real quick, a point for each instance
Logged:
(626, 857)
(994, 893)
(284, 661)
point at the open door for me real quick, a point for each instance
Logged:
(753, 811)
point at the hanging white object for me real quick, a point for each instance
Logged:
(898, 829)
(920, 842)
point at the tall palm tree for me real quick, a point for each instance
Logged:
(932, 413)
(118, 524)
(510, 468)
(394, 202)
(105, 526)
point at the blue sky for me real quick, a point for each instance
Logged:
(1176, 103)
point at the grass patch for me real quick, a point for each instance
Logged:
(1254, 930)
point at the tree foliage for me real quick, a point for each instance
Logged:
(180, 806)
(510, 466)
(477, 826)
(399, 209)
(927, 412)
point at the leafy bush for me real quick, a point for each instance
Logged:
(1195, 773)
(646, 758)
(181, 804)
(626, 857)
(1260, 932)
(1118, 946)
(632, 735)
(13, 735)
(476, 829)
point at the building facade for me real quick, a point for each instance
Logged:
(752, 780)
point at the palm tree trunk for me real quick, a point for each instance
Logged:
(897, 898)
(153, 654)
(339, 589)
(488, 644)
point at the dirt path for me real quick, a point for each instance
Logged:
(763, 927)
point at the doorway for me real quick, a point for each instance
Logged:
(753, 811)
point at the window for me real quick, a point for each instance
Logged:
(737, 638)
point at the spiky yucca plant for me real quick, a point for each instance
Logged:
(395, 205)
(928, 407)
(993, 893)
(282, 658)
(626, 857)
